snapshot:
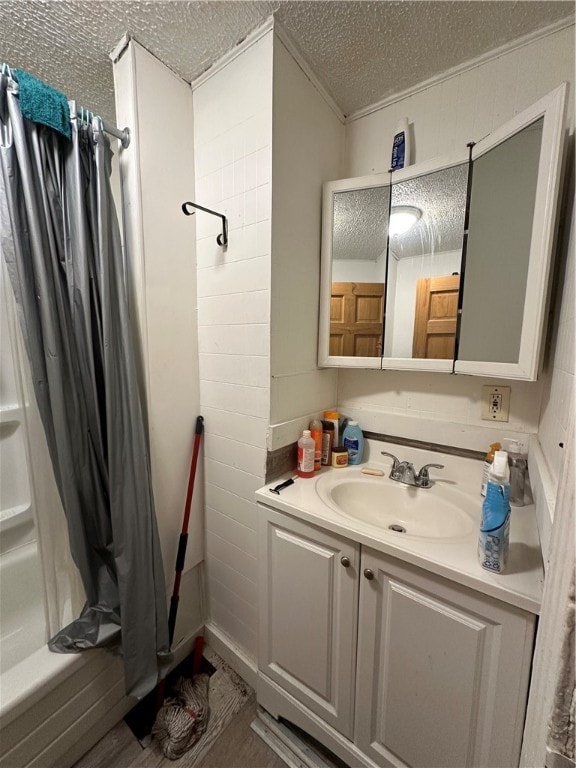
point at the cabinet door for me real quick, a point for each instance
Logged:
(308, 615)
(514, 194)
(442, 672)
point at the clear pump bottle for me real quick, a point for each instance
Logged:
(518, 465)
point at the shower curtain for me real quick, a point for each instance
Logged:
(60, 239)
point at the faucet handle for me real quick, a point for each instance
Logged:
(396, 460)
(423, 478)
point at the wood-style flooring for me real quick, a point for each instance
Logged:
(237, 747)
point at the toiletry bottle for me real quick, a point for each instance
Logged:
(327, 442)
(339, 457)
(493, 541)
(487, 464)
(306, 450)
(353, 441)
(316, 435)
(517, 464)
(334, 417)
(401, 146)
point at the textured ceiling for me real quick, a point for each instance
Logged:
(361, 51)
(360, 223)
(361, 217)
(441, 197)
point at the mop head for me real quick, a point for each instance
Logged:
(183, 717)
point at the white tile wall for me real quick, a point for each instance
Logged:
(308, 146)
(559, 383)
(233, 148)
(434, 407)
(452, 113)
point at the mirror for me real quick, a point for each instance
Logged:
(424, 257)
(404, 286)
(358, 271)
(502, 199)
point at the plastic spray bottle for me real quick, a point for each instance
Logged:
(487, 464)
(493, 541)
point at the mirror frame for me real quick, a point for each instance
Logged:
(552, 108)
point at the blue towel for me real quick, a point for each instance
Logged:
(43, 104)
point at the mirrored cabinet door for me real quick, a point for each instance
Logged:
(354, 238)
(513, 211)
(427, 211)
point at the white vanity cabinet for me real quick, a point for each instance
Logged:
(411, 668)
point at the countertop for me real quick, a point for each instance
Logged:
(456, 558)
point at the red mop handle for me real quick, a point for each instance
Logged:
(182, 544)
(188, 505)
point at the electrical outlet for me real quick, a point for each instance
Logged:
(495, 403)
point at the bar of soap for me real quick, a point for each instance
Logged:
(372, 471)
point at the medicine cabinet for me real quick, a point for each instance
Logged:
(444, 265)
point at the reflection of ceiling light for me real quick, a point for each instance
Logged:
(403, 218)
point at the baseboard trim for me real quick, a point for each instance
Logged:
(232, 654)
(278, 703)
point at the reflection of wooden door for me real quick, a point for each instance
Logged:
(435, 319)
(356, 316)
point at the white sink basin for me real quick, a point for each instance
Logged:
(440, 512)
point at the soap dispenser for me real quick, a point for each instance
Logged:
(517, 464)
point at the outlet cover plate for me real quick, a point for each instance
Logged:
(495, 403)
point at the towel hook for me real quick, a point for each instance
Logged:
(220, 239)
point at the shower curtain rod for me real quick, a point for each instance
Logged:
(83, 113)
(123, 135)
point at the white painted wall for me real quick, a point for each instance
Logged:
(233, 152)
(308, 141)
(157, 173)
(359, 270)
(558, 377)
(463, 108)
(401, 295)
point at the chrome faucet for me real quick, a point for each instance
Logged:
(404, 472)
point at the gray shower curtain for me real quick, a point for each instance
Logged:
(61, 243)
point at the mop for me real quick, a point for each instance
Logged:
(182, 719)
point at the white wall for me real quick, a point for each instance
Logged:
(558, 378)
(400, 319)
(359, 270)
(233, 152)
(463, 108)
(157, 171)
(308, 140)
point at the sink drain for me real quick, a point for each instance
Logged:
(397, 528)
